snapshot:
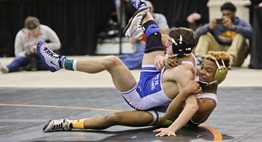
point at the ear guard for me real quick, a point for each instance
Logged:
(180, 48)
(221, 73)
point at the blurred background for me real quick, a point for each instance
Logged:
(84, 25)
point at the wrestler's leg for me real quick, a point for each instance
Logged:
(143, 26)
(121, 75)
(125, 118)
(154, 44)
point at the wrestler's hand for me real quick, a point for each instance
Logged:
(173, 62)
(165, 132)
(160, 62)
(192, 87)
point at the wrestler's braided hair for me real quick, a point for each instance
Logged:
(219, 56)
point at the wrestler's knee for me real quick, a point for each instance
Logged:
(111, 61)
(112, 118)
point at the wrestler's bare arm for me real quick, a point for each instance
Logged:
(183, 118)
(182, 75)
(206, 107)
(177, 104)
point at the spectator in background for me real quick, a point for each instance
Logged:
(159, 18)
(260, 4)
(25, 46)
(134, 61)
(227, 33)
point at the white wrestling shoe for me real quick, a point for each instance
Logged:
(57, 125)
(52, 60)
(134, 28)
(138, 3)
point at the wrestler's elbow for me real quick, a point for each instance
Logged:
(193, 107)
(192, 104)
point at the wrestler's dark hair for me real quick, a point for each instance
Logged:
(31, 23)
(188, 35)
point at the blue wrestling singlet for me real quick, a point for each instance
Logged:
(148, 92)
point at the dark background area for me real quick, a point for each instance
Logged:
(77, 23)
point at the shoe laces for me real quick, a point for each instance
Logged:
(58, 125)
(51, 54)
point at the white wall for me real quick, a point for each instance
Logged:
(241, 5)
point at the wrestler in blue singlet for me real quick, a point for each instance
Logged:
(148, 93)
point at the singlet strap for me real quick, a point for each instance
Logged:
(193, 65)
(207, 95)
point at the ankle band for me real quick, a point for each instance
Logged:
(78, 124)
(69, 64)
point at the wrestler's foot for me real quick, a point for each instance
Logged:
(57, 125)
(138, 3)
(134, 28)
(52, 60)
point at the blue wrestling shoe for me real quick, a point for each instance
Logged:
(138, 4)
(52, 60)
(134, 28)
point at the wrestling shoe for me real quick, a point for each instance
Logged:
(52, 60)
(3, 68)
(138, 4)
(57, 125)
(134, 28)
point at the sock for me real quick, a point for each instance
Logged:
(78, 124)
(70, 64)
(142, 37)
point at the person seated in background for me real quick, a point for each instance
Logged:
(159, 18)
(26, 44)
(228, 33)
(134, 61)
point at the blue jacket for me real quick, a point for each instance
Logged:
(224, 35)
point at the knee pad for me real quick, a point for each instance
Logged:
(153, 35)
(154, 43)
(150, 27)
(163, 122)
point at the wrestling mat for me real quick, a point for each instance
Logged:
(24, 111)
